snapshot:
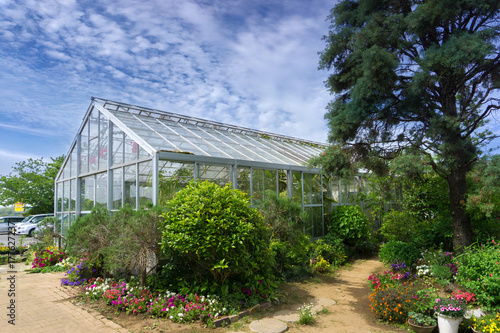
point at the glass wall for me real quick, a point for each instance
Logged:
(254, 164)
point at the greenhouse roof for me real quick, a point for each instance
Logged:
(161, 131)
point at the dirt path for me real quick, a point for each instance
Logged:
(349, 288)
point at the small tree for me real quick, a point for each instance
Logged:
(219, 236)
(31, 182)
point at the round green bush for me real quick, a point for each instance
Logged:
(408, 253)
(350, 223)
(222, 240)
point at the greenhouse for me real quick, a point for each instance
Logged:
(130, 155)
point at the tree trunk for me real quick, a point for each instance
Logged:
(143, 277)
(462, 229)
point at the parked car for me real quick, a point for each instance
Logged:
(29, 224)
(9, 221)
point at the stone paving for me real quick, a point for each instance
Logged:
(41, 305)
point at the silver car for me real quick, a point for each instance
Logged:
(29, 224)
(9, 221)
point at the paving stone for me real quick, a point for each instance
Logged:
(268, 325)
(320, 303)
(287, 315)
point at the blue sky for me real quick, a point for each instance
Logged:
(248, 63)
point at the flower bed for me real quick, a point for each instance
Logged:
(132, 299)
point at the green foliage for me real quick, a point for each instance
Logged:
(289, 244)
(479, 272)
(394, 251)
(220, 237)
(332, 249)
(31, 182)
(90, 235)
(321, 265)
(437, 108)
(350, 223)
(136, 236)
(483, 202)
(120, 242)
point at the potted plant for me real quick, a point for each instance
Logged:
(450, 312)
(421, 323)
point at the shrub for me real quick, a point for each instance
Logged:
(350, 223)
(291, 247)
(399, 251)
(221, 238)
(479, 272)
(332, 249)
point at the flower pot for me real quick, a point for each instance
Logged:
(448, 324)
(421, 329)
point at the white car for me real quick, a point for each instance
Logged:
(29, 224)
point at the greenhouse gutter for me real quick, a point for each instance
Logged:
(184, 157)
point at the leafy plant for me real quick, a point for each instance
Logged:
(350, 223)
(421, 319)
(332, 249)
(399, 251)
(321, 265)
(479, 272)
(220, 237)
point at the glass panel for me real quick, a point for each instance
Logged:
(118, 138)
(270, 181)
(297, 187)
(129, 189)
(282, 183)
(66, 171)
(173, 178)
(307, 188)
(65, 224)
(66, 194)
(131, 149)
(84, 149)
(218, 174)
(87, 193)
(103, 142)
(244, 180)
(308, 225)
(145, 183)
(59, 199)
(348, 190)
(73, 162)
(334, 190)
(142, 153)
(257, 185)
(101, 194)
(316, 190)
(93, 125)
(117, 188)
(93, 148)
(72, 206)
(316, 215)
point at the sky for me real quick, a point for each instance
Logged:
(247, 63)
